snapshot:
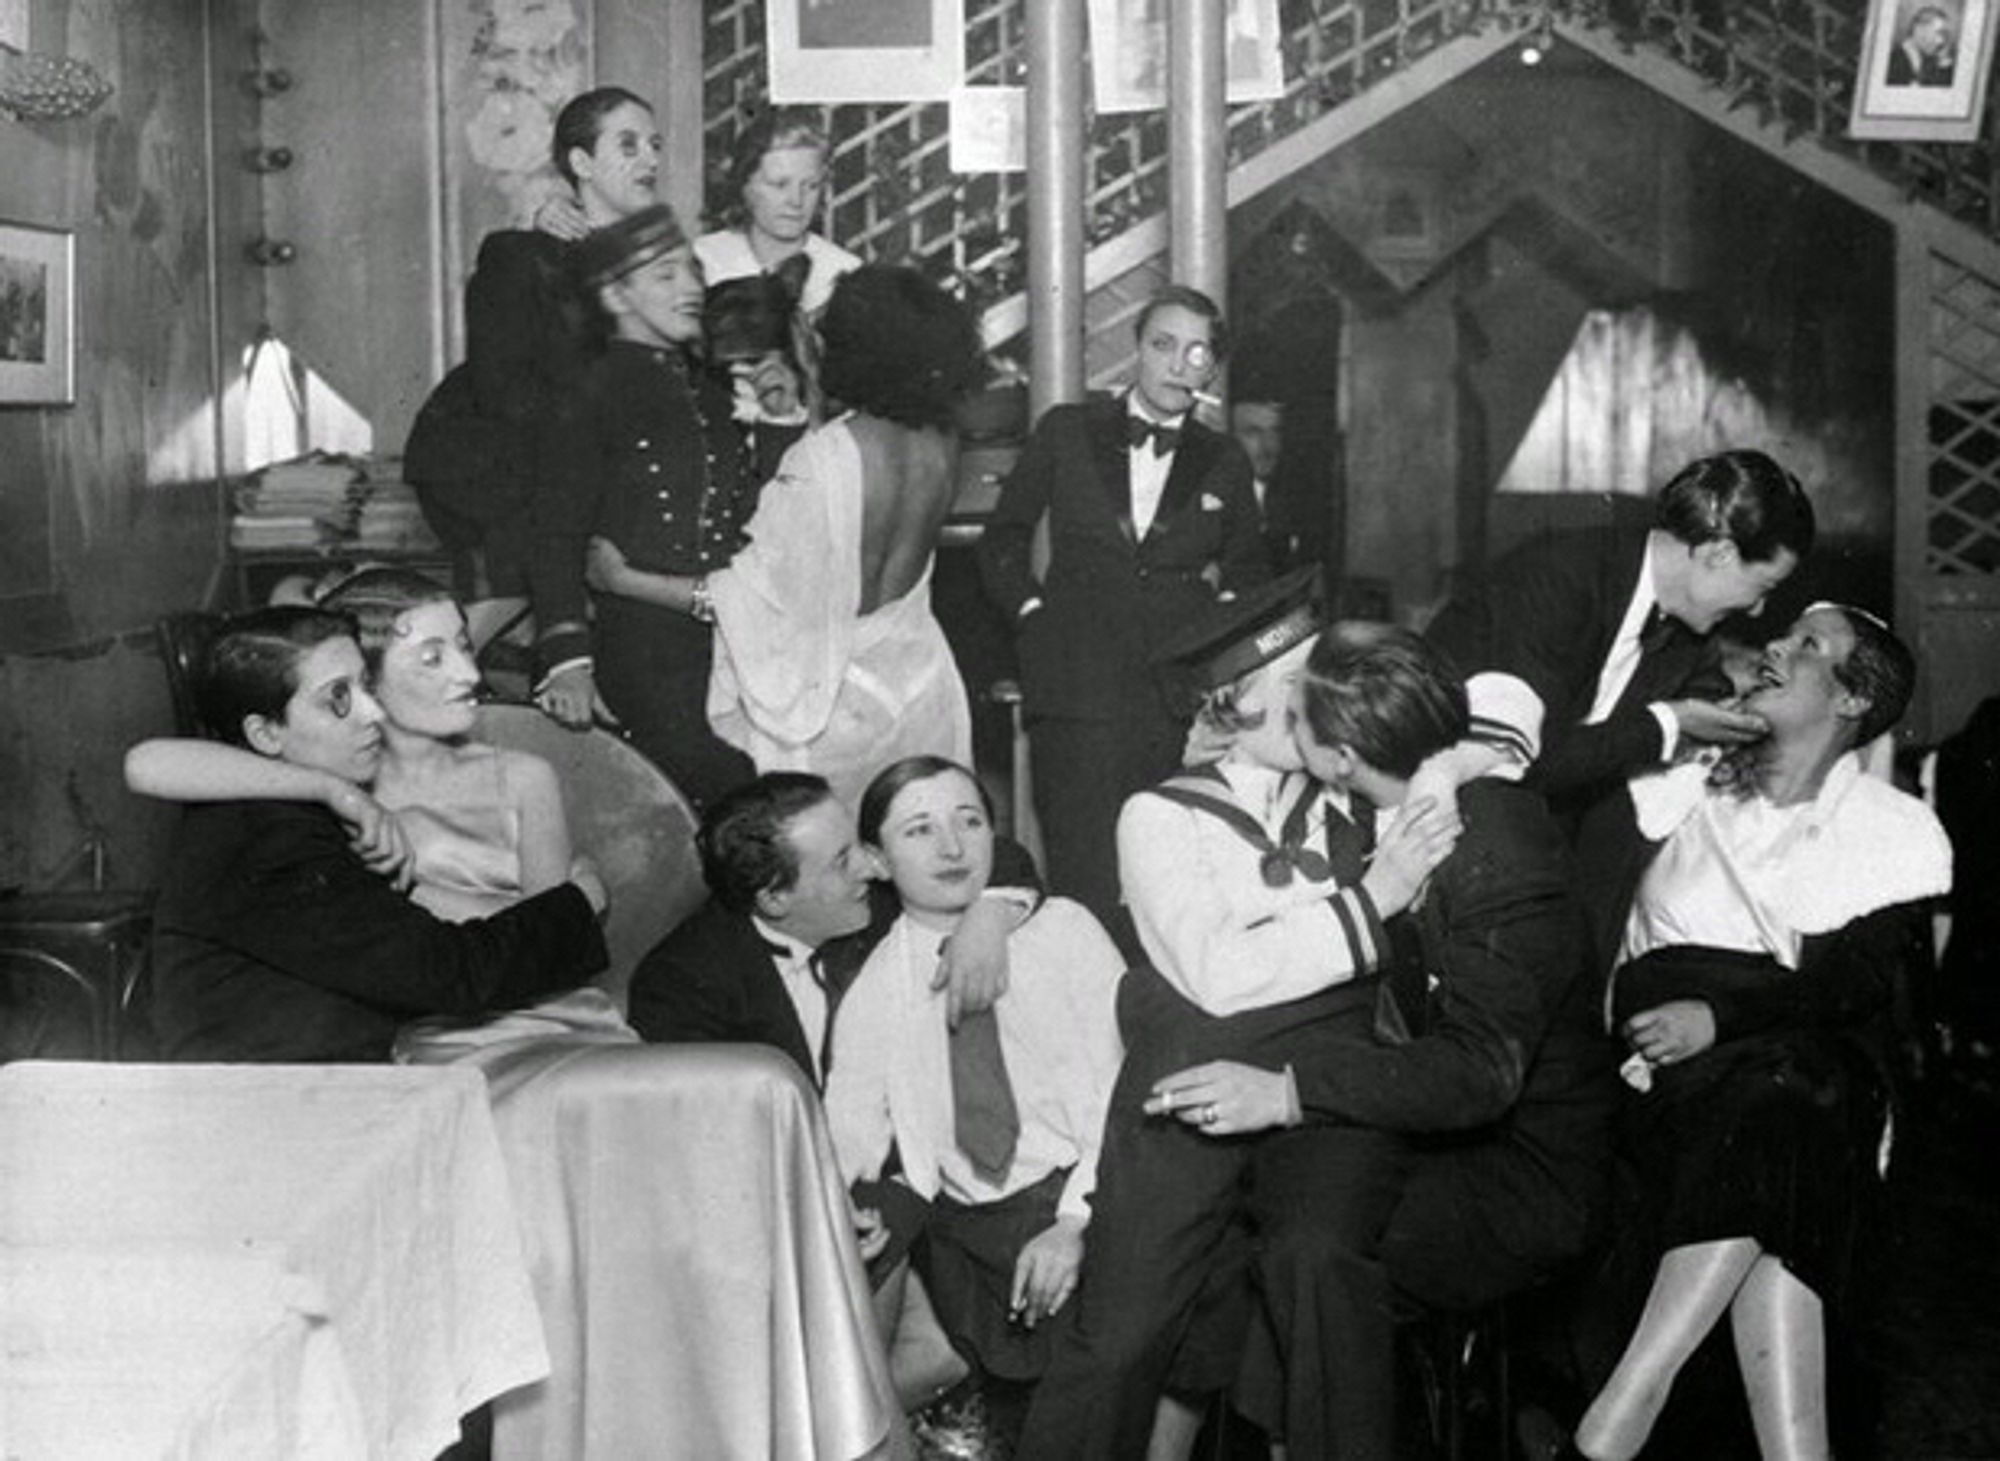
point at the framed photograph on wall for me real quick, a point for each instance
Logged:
(826, 51)
(1924, 66)
(1128, 54)
(37, 316)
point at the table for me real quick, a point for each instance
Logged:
(690, 1240)
(255, 1261)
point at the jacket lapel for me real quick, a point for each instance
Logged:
(1190, 469)
(765, 992)
(1110, 452)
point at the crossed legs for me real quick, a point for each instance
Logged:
(1780, 1338)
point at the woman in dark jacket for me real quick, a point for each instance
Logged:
(530, 329)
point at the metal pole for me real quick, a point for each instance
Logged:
(1055, 203)
(1197, 148)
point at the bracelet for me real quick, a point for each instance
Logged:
(701, 608)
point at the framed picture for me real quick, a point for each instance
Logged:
(1923, 74)
(37, 316)
(1128, 51)
(824, 51)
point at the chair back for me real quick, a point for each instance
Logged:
(627, 817)
(184, 640)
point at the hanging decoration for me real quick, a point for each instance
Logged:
(40, 88)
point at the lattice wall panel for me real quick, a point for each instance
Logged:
(1962, 515)
(1790, 62)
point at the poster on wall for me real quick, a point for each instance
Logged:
(37, 316)
(1924, 66)
(1128, 49)
(989, 129)
(507, 69)
(824, 51)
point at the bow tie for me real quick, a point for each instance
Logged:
(1165, 438)
(1278, 865)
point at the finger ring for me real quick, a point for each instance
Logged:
(1209, 1114)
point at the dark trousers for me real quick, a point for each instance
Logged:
(1154, 1310)
(1084, 770)
(652, 669)
(1360, 1230)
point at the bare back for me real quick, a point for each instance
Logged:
(908, 479)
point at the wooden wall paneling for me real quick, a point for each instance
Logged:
(359, 305)
(109, 507)
(654, 48)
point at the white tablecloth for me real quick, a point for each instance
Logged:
(691, 1244)
(255, 1261)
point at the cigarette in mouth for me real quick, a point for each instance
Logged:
(1205, 399)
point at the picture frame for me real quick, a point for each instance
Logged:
(1924, 67)
(37, 315)
(825, 52)
(1128, 51)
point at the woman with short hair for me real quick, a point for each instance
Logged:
(1759, 972)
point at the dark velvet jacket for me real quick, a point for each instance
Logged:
(1492, 1027)
(272, 941)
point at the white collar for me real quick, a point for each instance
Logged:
(796, 949)
(1133, 408)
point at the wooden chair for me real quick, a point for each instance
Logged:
(627, 817)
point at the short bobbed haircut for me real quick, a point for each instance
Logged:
(742, 842)
(252, 665)
(581, 122)
(895, 345)
(1742, 496)
(774, 130)
(1194, 302)
(890, 781)
(375, 598)
(1384, 693)
(1880, 668)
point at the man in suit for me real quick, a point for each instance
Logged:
(752, 964)
(1258, 424)
(1924, 56)
(1459, 1151)
(1601, 641)
(790, 923)
(1150, 515)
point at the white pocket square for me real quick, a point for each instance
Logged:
(1210, 502)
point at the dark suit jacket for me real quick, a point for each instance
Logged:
(1503, 1032)
(1548, 613)
(530, 330)
(1110, 600)
(712, 979)
(272, 941)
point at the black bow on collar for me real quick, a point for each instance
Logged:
(1164, 438)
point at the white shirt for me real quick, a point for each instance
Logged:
(891, 1078)
(1742, 873)
(1623, 658)
(802, 987)
(1148, 474)
(1213, 928)
(726, 254)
